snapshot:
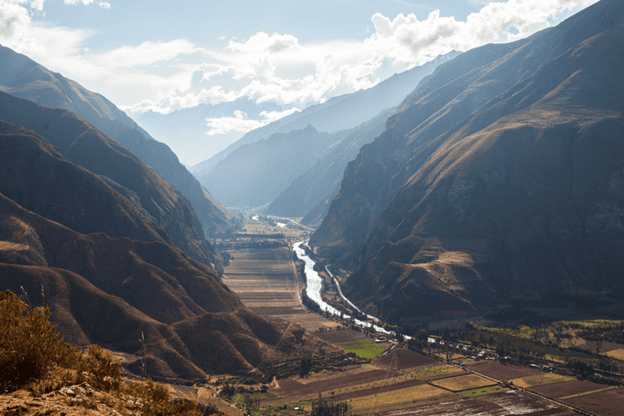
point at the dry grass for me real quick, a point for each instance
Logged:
(467, 382)
(541, 379)
(617, 354)
(409, 395)
(7, 245)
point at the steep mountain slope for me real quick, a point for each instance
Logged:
(338, 113)
(85, 146)
(498, 179)
(316, 187)
(35, 175)
(256, 173)
(110, 290)
(24, 78)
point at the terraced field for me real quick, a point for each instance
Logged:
(263, 278)
(266, 281)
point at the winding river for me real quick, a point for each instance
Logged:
(313, 291)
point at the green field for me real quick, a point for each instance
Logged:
(366, 348)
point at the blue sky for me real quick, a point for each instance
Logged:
(162, 55)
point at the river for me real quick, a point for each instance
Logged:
(313, 291)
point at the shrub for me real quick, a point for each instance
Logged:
(102, 372)
(29, 343)
(153, 399)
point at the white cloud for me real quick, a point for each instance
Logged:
(161, 77)
(104, 5)
(240, 123)
(85, 2)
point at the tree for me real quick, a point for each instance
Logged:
(305, 365)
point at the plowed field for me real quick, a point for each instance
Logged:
(266, 281)
(568, 388)
(606, 403)
(404, 359)
(494, 404)
(504, 372)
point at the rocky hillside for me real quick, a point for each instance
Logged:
(85, 146)
(499, 179)
(24, 78)
(108, 290)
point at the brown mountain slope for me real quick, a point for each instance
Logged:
(107, 291)
(519, 197)
(34, 174)
(439, 106)
(85, 146)
(24, 78)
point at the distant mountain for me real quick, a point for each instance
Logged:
(338, 113)
(256, 173)
(184, 131)
(310, 194)
(499, 179)
(85, 146)
(22, 77)
(111, 291)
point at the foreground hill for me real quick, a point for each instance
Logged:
(24, 78)
(85, 146)
(499, 179)
(109, 290)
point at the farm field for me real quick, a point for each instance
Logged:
(568, 388)
(460, 383)
(494, 404)
(404, 359)
(266, 282)
(541, 379)
(291, 389)
(618, 353)
(504, 372)
(366, 348)
(376, 402)
(343, 335)
(605, 403)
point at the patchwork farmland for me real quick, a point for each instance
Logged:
(267, 282)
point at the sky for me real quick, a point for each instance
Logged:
(163, 55)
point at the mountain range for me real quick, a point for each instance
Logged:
(22, 77)
(262, 165)
(85, 146)
(185, 130)
(336, 114)
(499, 179)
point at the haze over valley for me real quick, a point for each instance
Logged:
(411, 208)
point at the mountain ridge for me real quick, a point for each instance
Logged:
(460, 205)
(24, 78)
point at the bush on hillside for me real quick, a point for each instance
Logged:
(29, 343)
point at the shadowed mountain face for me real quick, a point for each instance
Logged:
(109, 290)
(24, 78)
(311, 193)
(35, 175)
(500, 178)
(87, 147)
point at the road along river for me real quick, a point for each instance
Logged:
(313, 291)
